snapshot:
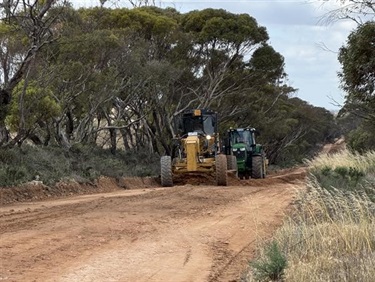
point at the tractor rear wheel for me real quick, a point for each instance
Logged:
(257, 167)
(221, 170)
(166, 171)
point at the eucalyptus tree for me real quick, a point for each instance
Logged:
(108, 73)
(357, 74)
(357, 59)
(85, 80)
(38, 106)
(296, 130)
(219, 42)
(26, 27)
(146, 36)
(171, 61)
(262, 85)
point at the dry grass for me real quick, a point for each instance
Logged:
(345, 158)
(331, 236)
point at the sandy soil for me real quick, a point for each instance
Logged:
(191, 232)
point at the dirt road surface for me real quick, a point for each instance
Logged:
(185, 233)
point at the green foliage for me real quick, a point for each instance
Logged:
(26, 163)
(358, 63)
(347, 178)
(352, 176)
(292, 129)
(82, 163)
(10, 175)
(37, 105)
(150, 22)
(268, 63)
(135, 69)
(219, 25)
(12, 38)
(272, 266)
(357, 58)
(361, 140)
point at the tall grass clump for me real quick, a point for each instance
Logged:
(331, 234)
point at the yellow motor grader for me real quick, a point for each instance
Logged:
(196, 148)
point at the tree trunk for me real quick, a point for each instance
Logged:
(4, 101)
(113, 135)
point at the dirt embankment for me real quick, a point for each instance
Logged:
(36, 190)
(193, 232)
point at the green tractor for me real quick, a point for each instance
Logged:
(251, 158)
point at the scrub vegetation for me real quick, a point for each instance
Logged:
(331, 234)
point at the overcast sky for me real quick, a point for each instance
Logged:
(296, 31)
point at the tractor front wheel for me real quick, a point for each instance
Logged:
(166, 171)
(257, 167)
(232, 164)
(221, 170)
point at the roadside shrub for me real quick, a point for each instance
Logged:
(6, 156)
(361, 139)
(82, 163)
(10, 175)
(49, 163)
(345, 171)
(271, 266)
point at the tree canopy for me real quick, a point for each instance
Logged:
(357, 58)
(119, 77)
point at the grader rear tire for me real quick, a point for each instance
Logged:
(166, 171)
(257, 167)
(221, 170)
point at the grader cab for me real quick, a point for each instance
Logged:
(196, 148)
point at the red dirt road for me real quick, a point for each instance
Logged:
(184, 233)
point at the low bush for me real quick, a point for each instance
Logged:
(346, 171)
(271, 266)
(80, 163)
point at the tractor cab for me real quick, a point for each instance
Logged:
(240, 142)
(242, 136)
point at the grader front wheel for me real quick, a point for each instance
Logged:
(221, 170)
(166, 171)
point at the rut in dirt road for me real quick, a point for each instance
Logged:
(185, 233)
